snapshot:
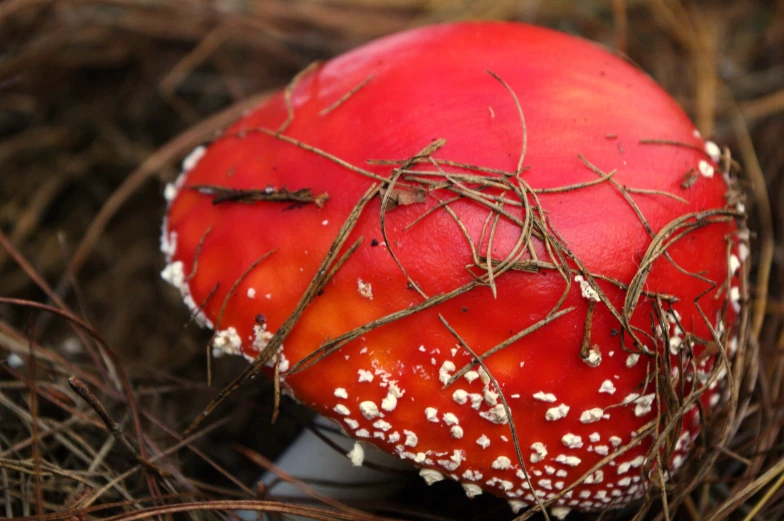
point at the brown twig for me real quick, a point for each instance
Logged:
(112, 426)
(222, 194)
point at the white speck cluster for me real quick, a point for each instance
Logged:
(588, 291)
(192, 159)
(173, 273)
(643, 404)
(550, 471)
(227, 341)
(594, 358)
(365, 289)
(450, 419)
(735, 298)
(592, 415)
(389, 403)
(496, 414)
(572, 441)
(261, 337)
(713, 150)
(444, 374)
(189, 163)
(471, 490)
(734, 264)
(431, 476)
(170, 192)
(546, 480)
(706, 170)
(545, 397)
(168, 242)
(368, 409)
(502, 463)
(367, 420)
(556, 413)
(540, 452)
(356, 455)
(488, 405)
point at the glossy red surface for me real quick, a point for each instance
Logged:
(432, 84)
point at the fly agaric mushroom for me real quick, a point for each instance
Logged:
(496, 251)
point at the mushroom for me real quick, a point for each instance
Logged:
(490, 249)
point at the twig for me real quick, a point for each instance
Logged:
(112, 426)
(524, 145)
(346, 96)
(289, 92)
(39, 498)
(509, 341)
(223, 194)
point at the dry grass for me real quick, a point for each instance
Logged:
(99, 100)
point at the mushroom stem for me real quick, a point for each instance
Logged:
(330, 472)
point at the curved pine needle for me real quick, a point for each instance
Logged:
(524, 145)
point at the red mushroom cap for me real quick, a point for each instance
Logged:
(604, 213)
